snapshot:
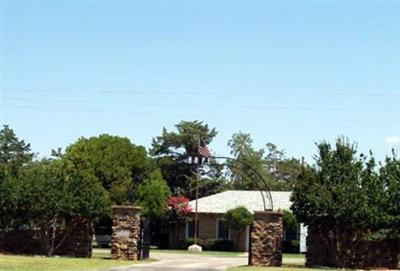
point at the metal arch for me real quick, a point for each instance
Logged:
(265, 193)
(262, 191)
(258, 185)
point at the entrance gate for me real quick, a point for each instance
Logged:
(145, 239)
(131, 236)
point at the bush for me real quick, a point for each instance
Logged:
(238, 217)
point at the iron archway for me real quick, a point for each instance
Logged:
(261, 183)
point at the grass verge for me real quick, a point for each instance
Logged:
(101, 260)
(285, 267)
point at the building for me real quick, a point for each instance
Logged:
(212, 208)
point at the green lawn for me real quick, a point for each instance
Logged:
(101, 260)
(293, 256)
(291, 262)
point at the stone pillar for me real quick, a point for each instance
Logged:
(125, 232)
(266, 239)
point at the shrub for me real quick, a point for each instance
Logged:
(238, 217)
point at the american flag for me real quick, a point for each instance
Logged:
(203, 150)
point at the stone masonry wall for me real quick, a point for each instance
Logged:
(266, 239)
(369, 254)
(78, 243)
(125, 232)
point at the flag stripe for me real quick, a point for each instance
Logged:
(203, 150)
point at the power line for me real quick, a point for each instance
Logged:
(146, 113)
(349, 93)
(205, 105)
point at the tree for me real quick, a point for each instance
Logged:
(185, 140)
(115, 162)
(247, 161)
(170, 225)
(342, 197)
(171, 148)
(51, 193)
(152, 195)
(252, 165)
(390, 176)
(283, 170)
(13, 154)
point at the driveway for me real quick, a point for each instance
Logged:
(192, 262)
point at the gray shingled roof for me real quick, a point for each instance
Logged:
(252, 200)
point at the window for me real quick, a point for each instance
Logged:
(222, 230)
(190, 229)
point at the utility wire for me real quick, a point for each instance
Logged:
(349, 93)
(199, 114)
(204, 105)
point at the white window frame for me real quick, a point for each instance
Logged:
(217, 231)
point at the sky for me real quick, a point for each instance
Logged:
(288, 72)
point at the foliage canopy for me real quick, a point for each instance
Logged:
(238, 218)
(114, 161)
(346, 198)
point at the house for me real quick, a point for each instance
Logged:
(210, 217)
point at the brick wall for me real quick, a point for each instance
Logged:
(368, 254)
(78, 243)
(207, 231)
(208, 226)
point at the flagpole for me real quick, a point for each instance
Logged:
(197, 193)
(197, 199)
(195, 247)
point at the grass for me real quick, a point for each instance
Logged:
(101, 260)
(293, 256)
(291, 262)
(204, 253)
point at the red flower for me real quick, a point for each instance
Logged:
(180, 204)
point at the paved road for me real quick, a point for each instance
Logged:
(182, 262)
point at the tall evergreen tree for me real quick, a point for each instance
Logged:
(171, 148)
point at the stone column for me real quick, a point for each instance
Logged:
(266, 239)
(125, 232)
